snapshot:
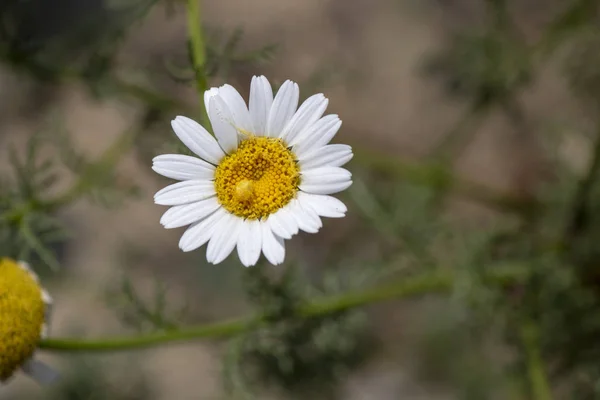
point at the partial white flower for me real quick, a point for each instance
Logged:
(25, 312)
(267, 173)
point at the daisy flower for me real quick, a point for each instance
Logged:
(25, 309)
(267, 174)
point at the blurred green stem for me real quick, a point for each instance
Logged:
(436, 282)
(461, 135)
(577, 14)
(197, 48)
(538, 381)
(438, 176)
(579, 218)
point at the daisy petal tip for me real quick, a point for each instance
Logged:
(179, 119)
(187, 248)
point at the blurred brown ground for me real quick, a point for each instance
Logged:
(389, 107)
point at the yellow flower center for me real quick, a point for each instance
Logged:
(259, 178)
(21, 316)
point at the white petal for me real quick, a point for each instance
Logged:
(40, 372)
(306, 218)
(287, 220)
(224, 240)
(49, 307)
(197, 139)
(200, 232)
(283, 108)
(309, 112)
(181, 167)
(279, 226)
(331, 155)
(319, 134)
(325, 206)
(326, 188)
(272, 246)
(208, 95)
(185, 192)
(26, 267)
(326, 180)
(325, 175)
(261, 99)
(249, 242)
(237, 107)
(223, 124)
(178, 216)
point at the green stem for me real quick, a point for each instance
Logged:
(538, 381)
(198, 52)
(461, 135)
(579, 218)
(577, 15)
(437, 176)
(403, 288)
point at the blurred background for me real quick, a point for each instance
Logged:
(474, 124)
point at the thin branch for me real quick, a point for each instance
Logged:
(439, 177)
(438, 282)
(197, 48)
(579, 218)
(538, 380)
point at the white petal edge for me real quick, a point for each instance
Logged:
(237, 106)
(178, 216)
(326, 188)
(224, 240)
(280, 226)
(223, 124)
(273, 246)
(283, 108)
(325, 175)
(40, 372)
(331, 155)
(208, 95)
(325, 206)
(200, 232)
(48, 309)
(197, 139)
(249, 242)
(307, 220)
(286, 219)
(309, 112)
(319, 134)
(185, 192)
(182, 167)
(261, 99)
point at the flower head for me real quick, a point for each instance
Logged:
(25, 309)
(267, 175)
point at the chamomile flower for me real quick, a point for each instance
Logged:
(268, 174)
(25, 309)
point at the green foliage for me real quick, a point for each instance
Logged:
(85, 379)
(30, 226)
(582, 65)
(303, 357)
(134, 311)
(482, 68)
(547, 321)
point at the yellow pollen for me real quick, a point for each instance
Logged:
(244, 190)
(259, 178)
(21, 316)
